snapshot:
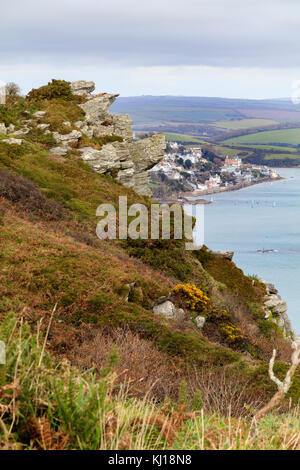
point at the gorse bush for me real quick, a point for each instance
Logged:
(55, 89)
(194, 298)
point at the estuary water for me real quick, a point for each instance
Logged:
(263, 216)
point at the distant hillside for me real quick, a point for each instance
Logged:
(183, 109)
(229, 126)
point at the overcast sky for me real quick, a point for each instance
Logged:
(231, 48)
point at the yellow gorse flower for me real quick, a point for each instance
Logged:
(194, 298)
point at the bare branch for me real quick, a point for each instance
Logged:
(283, 387)
(271, 372)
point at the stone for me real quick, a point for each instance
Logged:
(67, 123)
(73, 136)
(223, 254)
(122, 126)
(11, 128)
(79, 124)
(12, 141)
(81, 87)
(39, 114)
(133, 159)
(271, 289)
(102, 161)
(43, 126)
(275, 303)
(3, 129)
(200, 322)
(97, 108)
(22, 131)
(168, 310)
(60, 150)
(276, 309)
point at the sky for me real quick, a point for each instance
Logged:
(228, 48)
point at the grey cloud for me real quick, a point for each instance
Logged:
(261, 33)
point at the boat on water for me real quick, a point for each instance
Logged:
(263, 250)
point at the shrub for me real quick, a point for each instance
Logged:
(193, 297)
(19, 190)
(54, 89)
(232, 334)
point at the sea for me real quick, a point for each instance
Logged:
(264, 216)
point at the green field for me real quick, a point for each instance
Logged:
(183, 138)
(226, 150)
(269, 148)
(244, 123)
(282, 156)
(282, 136)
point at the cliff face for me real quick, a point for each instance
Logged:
(127, 160)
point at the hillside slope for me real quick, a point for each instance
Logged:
(105, 291)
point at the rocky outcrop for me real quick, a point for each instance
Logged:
(81, 87)
(128, 161)
(276, 309)
(219, 254)
(168, 310)
(65, 139)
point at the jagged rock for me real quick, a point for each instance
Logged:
(102, 161)
(12, 141)
(73, 136)
(275, 303)
(60, 150)
(144, 154)
(168, 310)
(271, 289)
(132, 159)
(200, 322)
(79, 124)
(39, 114)
(81, 87)
(276, 309)
(223, 254)
(121, 124)
(219, 254)
(97, 108)
(11, 128)
(3, 129)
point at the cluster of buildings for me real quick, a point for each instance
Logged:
(189, 167)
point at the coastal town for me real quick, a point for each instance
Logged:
(198, 171)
